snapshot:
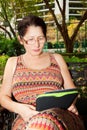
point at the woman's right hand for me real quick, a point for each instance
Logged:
(26, 111)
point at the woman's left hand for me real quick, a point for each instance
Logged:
(73, 109)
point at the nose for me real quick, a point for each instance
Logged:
(37, 44)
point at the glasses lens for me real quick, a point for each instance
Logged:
(32, 40)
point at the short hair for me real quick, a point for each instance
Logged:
(31, 20)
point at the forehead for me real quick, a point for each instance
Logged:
(34, 31)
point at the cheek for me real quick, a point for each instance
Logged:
(42, 45)
(27, 48)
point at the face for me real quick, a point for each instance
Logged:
(33, 40)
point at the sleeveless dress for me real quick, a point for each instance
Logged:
(27, 84)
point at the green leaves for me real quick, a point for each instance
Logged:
(75, 59)
(3, 60)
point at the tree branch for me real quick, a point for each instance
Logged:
(52, 12)
(83, 18)
(6, 18)
(6, 31)
(64, 9)
(59, 6)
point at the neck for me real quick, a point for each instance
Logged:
(30, 56)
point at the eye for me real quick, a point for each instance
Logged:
(41, 38)
(30, 39)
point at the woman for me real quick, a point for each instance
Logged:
(34, 73)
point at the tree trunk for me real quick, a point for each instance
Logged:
(69, 47)
(69, 44)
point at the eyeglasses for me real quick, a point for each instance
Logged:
(32, 40)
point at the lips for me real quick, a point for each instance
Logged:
(36, 50)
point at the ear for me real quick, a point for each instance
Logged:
(20, 40)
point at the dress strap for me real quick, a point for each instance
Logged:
(53, 60)
(19, 62)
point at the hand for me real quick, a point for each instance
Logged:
(27, 111)
(73, 109)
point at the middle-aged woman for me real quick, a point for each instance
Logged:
(34, 73)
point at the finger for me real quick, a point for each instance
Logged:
(32, 107)
(74, 111)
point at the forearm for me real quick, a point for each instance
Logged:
(10, 105)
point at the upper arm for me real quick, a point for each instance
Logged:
(8, 75)
(68, 83)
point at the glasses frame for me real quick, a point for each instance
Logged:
(32, 40)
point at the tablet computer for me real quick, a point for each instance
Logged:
(53, 99)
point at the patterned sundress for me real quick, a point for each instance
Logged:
(27, 84)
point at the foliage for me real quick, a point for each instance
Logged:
(6, 14)
(13, 10)
(3, 60)
(10, 47)
(72, 26)
(75, 59)
(83, 91)
(78, 68)
(1, 35)
(23, 8)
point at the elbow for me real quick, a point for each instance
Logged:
(3, 100)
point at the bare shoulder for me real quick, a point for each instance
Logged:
(11, 60)
(11, 64)
(59, 58)
(9, 71)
